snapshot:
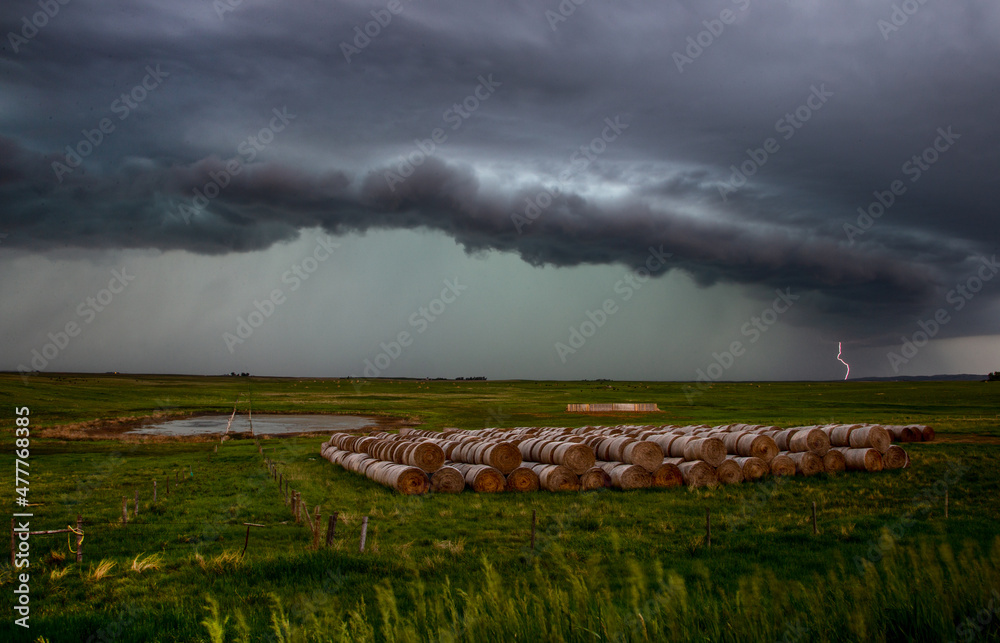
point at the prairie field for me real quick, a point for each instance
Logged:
(885, 565)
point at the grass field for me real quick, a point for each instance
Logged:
(607, 566)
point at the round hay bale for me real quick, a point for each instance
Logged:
(729, 472)
(753, 468)
(746, 444)
(576, 457)
(926, 434)
(447, 480)
(677, 446)
(696, 473)
(894, 458)
(783, 437)
(615, 450)
(482, 477)
(833, 461)
(426, 456)
(594, 478)
(522, 480)
(555, 477)
(502, 456)
(900, 433)
(647, 455)
(711, 450)
(807, 463)
(782, 465)
(811, 440)
(861, 459)
(664, 441)
(627, 476)
(840, 434)
(407, 480)
(871, 437)
(667, 475)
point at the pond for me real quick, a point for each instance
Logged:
(262, 424)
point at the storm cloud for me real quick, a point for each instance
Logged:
(846, 151)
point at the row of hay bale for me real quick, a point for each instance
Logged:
(525, 459)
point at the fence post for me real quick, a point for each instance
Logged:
(154, 490)
(124, 510)
(364, 533)
(331, 527)
(79, 538)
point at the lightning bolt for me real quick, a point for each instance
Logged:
(839, 352)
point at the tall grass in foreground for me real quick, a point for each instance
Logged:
(921, 593)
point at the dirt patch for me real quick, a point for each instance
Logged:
(118, 428)
(960, 438)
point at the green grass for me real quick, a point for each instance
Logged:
(607, 565)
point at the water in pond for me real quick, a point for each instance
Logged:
(269, 424)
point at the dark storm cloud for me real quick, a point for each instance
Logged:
(665, 180)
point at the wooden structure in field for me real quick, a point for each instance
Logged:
(618, 407)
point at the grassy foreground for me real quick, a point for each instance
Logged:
(607, 566)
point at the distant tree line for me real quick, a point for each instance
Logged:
(993, 377)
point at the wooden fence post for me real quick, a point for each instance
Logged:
(124, 510)
(154, 490)
(331, 527)
(79, 538)
(364, 533)
(136, 503)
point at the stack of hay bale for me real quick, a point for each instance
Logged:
(624, 457)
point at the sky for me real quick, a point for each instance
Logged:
(680, 190)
